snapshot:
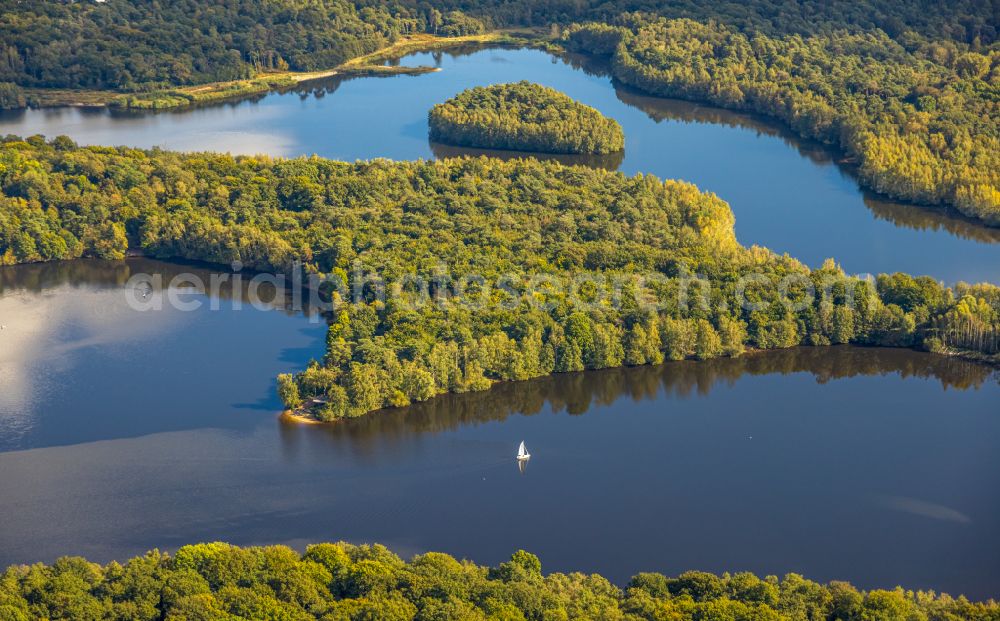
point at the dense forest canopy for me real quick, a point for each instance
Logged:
(150, 44)
(345, 582)
(974, 22)
(147, 44)
(555, 251)
(924, 125)
(524, 117)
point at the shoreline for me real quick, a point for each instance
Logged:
(185, 96)
(970, 356)
(301, 416)
(290, 416)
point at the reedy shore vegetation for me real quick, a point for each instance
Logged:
(453, 275)
(524, 117)
(345, 582)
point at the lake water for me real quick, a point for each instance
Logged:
(123, 430)
(788, 195)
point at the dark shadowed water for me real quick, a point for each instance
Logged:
(788, 195)
(123, 430)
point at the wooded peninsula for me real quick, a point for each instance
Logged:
(524, 117)
(340, 581)
(553, 253)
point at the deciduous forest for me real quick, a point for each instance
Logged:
(455, 275)
(145, 45)
(972, 22)
(523, 117)
(921, 118)
(340, 581)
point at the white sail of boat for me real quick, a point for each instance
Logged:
(522, 453)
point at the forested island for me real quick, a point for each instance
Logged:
(524, 117)
(535, 267)
(145, 45)
(341, 581)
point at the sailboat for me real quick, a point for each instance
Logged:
(522, 453)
